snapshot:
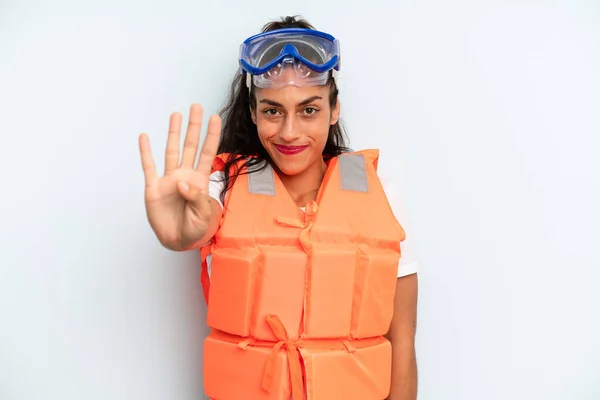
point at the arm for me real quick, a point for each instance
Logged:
(402, 336)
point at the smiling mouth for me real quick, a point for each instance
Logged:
(289, 150)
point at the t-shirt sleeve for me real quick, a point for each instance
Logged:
(408, 262)
(215, 186)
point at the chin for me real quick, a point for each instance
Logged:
(289, 167)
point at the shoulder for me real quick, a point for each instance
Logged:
(371, 156)
(395, 193)
(393, 190)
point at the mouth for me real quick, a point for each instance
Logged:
(290, 150)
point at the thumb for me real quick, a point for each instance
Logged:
(197, 198)
(189, 192)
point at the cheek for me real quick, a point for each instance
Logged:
(318, 130)
(266, 129)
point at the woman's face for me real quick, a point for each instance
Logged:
(293, 125)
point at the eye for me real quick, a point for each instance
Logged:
(310, 111)
(271, 112)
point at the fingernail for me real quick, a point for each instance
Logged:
(184, 186)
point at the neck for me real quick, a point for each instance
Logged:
(304, 187)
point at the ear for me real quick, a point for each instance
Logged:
(335, 113)
(253, 114)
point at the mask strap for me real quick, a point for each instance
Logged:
(334, 74)
(248, 80)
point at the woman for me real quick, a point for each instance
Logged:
(308, 297)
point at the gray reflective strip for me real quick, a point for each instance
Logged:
(261, 181)
(353, 172)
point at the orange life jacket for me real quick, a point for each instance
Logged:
(299, 301)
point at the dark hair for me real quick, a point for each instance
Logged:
(239, 135)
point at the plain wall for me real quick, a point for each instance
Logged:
(487, 111)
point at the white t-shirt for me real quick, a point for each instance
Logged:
(408, 262)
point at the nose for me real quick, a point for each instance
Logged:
(290, 129)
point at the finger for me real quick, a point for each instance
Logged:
(172, 152)
(209, 149)
(148, 166)
(192, 137)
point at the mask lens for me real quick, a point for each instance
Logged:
(302, 70)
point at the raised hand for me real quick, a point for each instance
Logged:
(177, 204)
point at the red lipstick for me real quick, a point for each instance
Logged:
(290, 150)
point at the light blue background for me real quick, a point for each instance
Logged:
(487, 111)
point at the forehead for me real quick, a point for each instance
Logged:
(293, 94)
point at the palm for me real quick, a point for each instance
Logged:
(172, 216)
(177, 216)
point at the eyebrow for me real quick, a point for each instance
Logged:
(303, 103)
